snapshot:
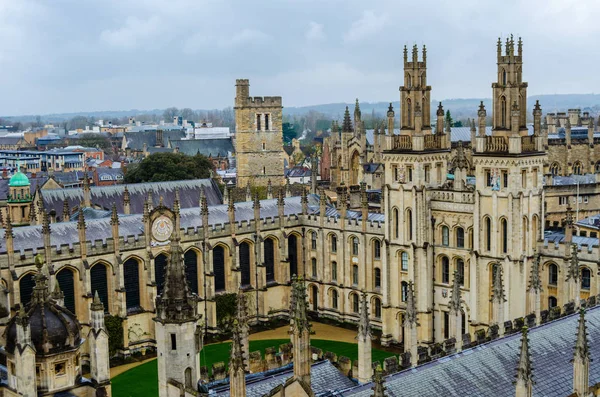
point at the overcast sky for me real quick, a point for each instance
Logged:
(73, 55)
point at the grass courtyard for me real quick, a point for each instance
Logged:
(142, 381)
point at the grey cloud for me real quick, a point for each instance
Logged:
(69, 55)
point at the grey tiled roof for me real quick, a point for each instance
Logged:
(105, 196)
(136, 139)
(489, 369)
(99, 228)
(207, 147)
(324, 379)
(559, 237)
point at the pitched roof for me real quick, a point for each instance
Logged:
(136, 139)
(105, 196)
(207, 147)
(324, 379)
(489, 369)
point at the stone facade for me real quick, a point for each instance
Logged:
(429, 227)
(258, 137)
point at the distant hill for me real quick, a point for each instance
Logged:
(459, 107)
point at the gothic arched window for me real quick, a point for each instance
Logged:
(334, 271)
(355, 303)
(377, 305)
(404, 261)
(445, 270)
(577, 168)
(488, 233)
(552, 274)
(460, 269)
(313, 240)
(396, 223)
(333, 243)
(131, 277)
(334, 299)
(160, 266)
(269, 253)
(555, 169)
(377, 277)
(66, 281)
(445, 236)
(409, 225)
(504, 230)
(354, 242)
(503, 111)
(190, 261)
(244, 257)
(26, 284)
(99, 283)
(409, 112)
(552, 302)
(355, 274)
(404, 291)
(585, 278)
(219, 267)
(460, 237)
(376, 249)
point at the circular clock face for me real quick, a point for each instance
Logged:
(162, 227)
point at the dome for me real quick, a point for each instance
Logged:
(18, 179)
(51, 325)
(54, 329)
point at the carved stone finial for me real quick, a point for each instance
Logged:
(524, 369)
(114, 217)
(498, 286)
(97, 304)
(573, 270)
(364, 323)
(455, 298)
(410, 316)
(347, 124)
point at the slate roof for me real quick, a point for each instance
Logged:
(558, 237)
(490, 369)
(324, 379)
(112, 173)
(105, 196)
(136, 139)
(207, 147)
(298, 172)
(34, 182)
(573, 180)
(99, 229)
(10, 140)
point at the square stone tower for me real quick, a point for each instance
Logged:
(258, 137)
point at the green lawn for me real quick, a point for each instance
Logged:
(141, 381)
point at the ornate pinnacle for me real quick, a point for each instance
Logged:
(298, 318)
(230, 204)
(256, 201)
(582, 348)
(45, 223)
(236, 360)
(126, 198)
(80, 219)
(347, 124)
(455, 299)
(304, 197)
(378, 383)
(364, 324)
(97, 304)
(498, 286)
(176, 205)
(524, 368)
(114, 217)
(440, 110)
(8, 232)
(357, 112)
(535, 282)
(280, 197)
(461, 159)
(537, 107)
(57, 294)
(473, 125)
(481, 112)
(66, 211)
(390, 112)
(203, 203)
(573, 270)
(410, 317)
(40, 291)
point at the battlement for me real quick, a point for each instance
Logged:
(265, 101)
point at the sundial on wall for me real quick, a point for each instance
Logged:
(162, 228)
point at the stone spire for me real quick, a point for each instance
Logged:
(288, 190)
(243, 328)
(114, 216)
(300, 332)
(248, 192)
(304, 201)
(456, 312)
(41, 291)
(347, 124)
(269, 190)
(66, 212)
(365, 361)
(573, 276)
(226, 194)
(237, 364)
(410, 325)
(481, 115)
(126, 201)
(98, 340)
(87, 195)
(378, 383)
(58, 295)
(581, 359)
(498, 299)
(524, 382)
(535, 287)
(176, 304)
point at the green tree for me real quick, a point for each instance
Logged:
(160, 167)
(289, 132)
(94, 140)
(448, 118)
